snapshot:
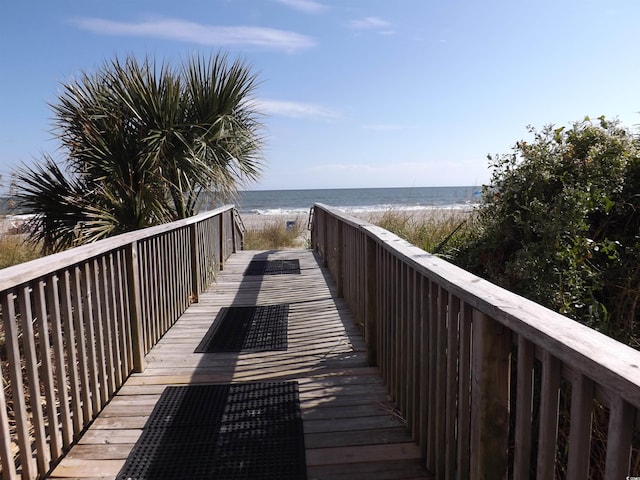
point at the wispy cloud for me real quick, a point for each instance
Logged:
(306, 6)
(387, 127)
(372, 23)
(201, 34)
(291, 109)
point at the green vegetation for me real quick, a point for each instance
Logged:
(440, 232)
(560, 225)
(275, 234)
(142, 143)
(14, 249)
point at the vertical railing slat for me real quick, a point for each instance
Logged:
(6, 455)
(72, 351)
(580, 428)
(53, 300)
(549, 398)
(98, 339)
(124, 316)
(464, 394)
(524, 401)
(489, 397)
(441, 379)
(620, 434)
(78, 300)
(33, 378)
(137, 329)
(425, 367)
(450, 412)
(432, 378)
(417, 357)
(106, 313)
(47, 380)
(88, 293)
(27, 463)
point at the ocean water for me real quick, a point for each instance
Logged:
(352, 200)
(358, 200)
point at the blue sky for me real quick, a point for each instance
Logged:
(367, 93)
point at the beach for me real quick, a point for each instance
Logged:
(254, 221)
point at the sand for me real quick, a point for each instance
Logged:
(11, 224)
(257, 222)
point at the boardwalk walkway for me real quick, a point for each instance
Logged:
(351, 431)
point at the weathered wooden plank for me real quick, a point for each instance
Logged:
(81, 468)
(117, 451)
(366, 453)
(397, 434)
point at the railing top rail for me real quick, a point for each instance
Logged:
(608, 362)
(24, 272)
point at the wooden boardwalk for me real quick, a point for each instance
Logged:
(351, 429)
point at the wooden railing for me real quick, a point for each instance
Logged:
(482, 376)
(77, 323)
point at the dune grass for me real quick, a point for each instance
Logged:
(438, 231)
(276, 234)
(14, 250)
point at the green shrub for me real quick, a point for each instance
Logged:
(560, 225)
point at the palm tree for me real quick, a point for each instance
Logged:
(143, 143)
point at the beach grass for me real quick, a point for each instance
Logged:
(438, 231)
(14, 249)
(273, 234)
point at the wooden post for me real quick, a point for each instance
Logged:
(195, 262)
(371, 302)
(489, 398)
(135, 311)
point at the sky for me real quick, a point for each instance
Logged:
(356, 93)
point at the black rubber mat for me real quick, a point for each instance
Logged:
(236, 431)
(273, 267)
(256, 328)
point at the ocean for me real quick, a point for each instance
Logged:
(358, 200)
(352, 200)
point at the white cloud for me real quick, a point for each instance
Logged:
(201, 34)
(370, 23)
(306, 6)
(291, 109)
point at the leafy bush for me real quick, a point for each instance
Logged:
(560, 224)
